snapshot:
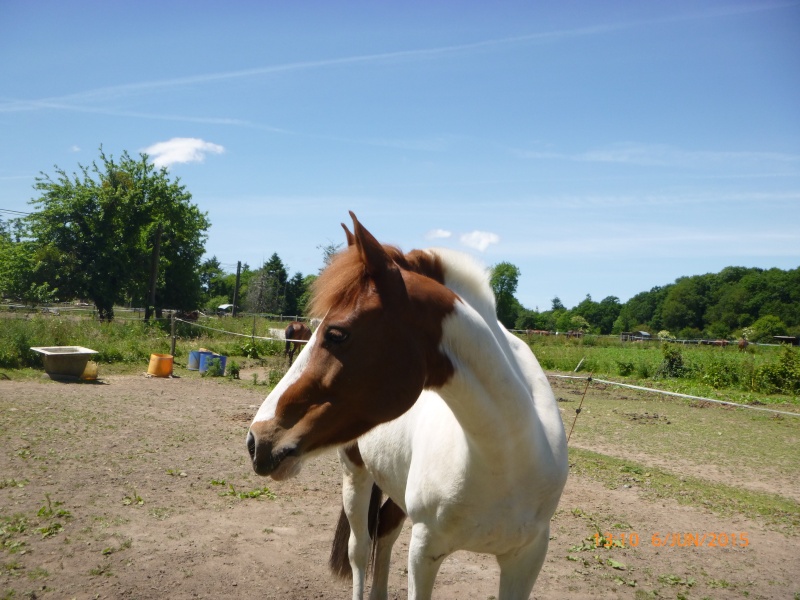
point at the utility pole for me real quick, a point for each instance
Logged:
(236, 287)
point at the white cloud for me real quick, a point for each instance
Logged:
(74, 148)
(479, 240)
(438, 234)
(181, 150)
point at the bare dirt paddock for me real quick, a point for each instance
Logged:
(139, 488)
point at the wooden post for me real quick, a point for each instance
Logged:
(172, 346)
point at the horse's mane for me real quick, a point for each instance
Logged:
(345, 278)
(468, 278)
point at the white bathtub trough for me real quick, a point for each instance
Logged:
(64, 361)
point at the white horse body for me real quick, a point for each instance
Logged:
(478, 462)
(477, 465)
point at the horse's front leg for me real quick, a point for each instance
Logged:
(425, 555)
(356, 493)
(520, 568)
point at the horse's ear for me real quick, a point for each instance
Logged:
(375, 258)
(350, 239)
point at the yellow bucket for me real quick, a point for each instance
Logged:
(90, 372)
(160, 365)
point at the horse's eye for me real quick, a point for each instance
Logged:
(334, 335)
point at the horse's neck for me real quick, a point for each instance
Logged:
(490, 394)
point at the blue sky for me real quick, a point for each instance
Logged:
(602, 147)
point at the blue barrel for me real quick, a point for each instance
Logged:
(203, 358)
(206, 357)
(194, 360)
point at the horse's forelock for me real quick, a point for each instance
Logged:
(339, 284)
(345, 279)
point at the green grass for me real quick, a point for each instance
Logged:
(701, 367)
(685, 431)
(126, 341)
(776, 511)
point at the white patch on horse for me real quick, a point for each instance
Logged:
(267, 409)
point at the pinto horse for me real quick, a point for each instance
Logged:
(296, 335)
(429, 399)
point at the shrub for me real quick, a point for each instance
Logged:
(718, 373)
(625, 367)
(782, 376)
(672, 365)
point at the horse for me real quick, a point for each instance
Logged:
(296, 335)
(428, 400)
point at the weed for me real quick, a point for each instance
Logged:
(274, 377)
(123, 546)
(9, 528)
(6, 483)
(51, 529)
(215, 368)
(47, 511)
(676, 580)
(38, 573)
(133, 499)
(161, 513)
(101, 570)
(11, 568)
(256, 493)
(233, 370)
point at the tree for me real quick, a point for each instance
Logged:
(504, 279)
(266, 290)
(212, 278)
(295, 288)
(94, 233)
(17, 270)
(329, 250)
(766, 327)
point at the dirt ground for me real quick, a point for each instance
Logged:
(130, 488)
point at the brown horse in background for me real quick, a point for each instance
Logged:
(296, 335)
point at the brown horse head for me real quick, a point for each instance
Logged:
(377, 348)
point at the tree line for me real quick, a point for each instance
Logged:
(121, 232)
(756, 304)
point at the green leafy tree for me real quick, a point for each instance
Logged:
(685, 304)
(766, 327)
(266, 291)
(94, 233)
(295, 288)
(504, 279)
(17, 266)
(215, 283)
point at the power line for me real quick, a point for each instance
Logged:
(16, 212)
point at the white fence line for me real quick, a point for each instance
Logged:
(255, 337)
(690, 397)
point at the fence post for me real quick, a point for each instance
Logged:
(172, 346)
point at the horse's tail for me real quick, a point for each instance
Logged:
(339, 561)
(286, 350)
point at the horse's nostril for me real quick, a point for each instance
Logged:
(251, 445)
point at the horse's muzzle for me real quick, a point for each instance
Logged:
(279, 462)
